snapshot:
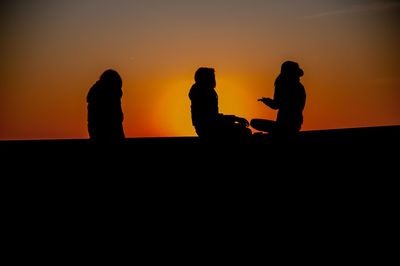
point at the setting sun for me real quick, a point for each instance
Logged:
(54, 51)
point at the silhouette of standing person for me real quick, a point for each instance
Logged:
(289, 100)
(105, 114)
(206, 119)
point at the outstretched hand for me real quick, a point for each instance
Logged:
(268, 102)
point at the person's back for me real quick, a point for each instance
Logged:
(206, 119)
(105, 114)
(204, 101)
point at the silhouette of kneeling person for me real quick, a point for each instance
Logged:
(105, 114)
(206, 119)
(289, 100)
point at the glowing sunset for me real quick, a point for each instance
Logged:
(54, 51)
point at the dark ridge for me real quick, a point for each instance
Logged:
(338, 181)
(384, 135)
(341, 151)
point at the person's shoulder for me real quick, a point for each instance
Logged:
(193, 90)
(92, 91)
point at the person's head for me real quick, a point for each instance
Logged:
(290, 68)
(112, 78)
(205, 76)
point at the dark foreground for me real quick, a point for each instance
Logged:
(333, 194)
(343, 154)
(148, 156)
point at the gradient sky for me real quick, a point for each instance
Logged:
(53, 51)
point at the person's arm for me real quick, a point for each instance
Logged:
(269, 102)
(243, 121)
(234, 118)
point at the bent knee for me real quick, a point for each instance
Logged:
(255, 122)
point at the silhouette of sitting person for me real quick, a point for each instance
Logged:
(206, 119)
(105, 114)
(289, 100)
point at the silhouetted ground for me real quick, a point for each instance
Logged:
(326, 152)
(374, 143)
(333, 186)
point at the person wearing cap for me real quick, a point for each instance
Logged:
(289, 99)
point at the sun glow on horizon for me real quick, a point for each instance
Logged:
(56, 50)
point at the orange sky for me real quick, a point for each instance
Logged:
(53, 51)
